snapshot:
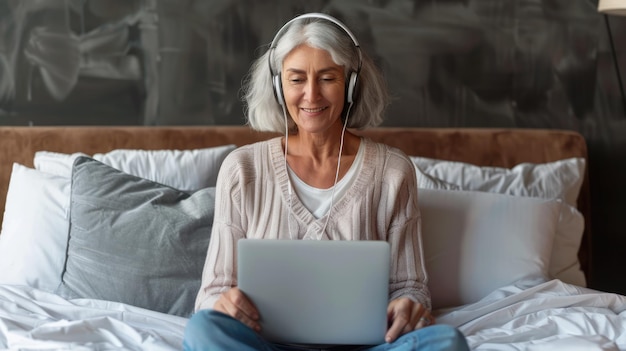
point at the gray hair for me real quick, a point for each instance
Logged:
(262, 110)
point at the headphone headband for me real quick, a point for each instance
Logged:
(276, 75)
(329, 18)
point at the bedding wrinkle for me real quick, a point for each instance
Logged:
(544, 315)
(31, 319)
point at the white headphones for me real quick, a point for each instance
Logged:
(276, 80)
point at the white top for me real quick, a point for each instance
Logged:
(318, 200)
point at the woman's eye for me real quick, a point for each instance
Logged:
(302, 80)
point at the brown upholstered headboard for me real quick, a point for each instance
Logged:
(484, 147)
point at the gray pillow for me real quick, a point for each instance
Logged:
(135, 241)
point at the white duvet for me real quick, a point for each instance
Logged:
(547, 316)
(35, 320)
(529, 315)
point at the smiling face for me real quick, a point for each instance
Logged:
(313, 88)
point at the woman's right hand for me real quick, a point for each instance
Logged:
(237, 305)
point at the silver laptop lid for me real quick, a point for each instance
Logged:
(317, 292)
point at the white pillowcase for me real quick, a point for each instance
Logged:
(476, 242)
(428, 182)
(35, 228)
(553, 180)
(186, 170)
(55, 162)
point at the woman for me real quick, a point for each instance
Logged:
(319, 181)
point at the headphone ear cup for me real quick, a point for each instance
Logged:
(351, 87)
(278, 89)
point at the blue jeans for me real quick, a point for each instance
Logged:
(212, 330)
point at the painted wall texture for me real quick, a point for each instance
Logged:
(464, 63)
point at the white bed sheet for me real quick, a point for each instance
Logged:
(533, 315)
(31, 319)
(529, 315)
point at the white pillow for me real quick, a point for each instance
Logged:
(187, 170)
(55, 162)
(476, 242)
(426, 181)
(553, 180)
(35, 227)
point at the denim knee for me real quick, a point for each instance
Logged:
(212, 330)
(196, 331)
(439, 337)
(449, 338)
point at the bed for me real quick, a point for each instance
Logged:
(104, 231)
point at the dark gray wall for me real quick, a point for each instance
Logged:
(471, 63)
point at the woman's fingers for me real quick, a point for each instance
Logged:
(396, 328)
(406, 315)
(237, 305)
(399, 315)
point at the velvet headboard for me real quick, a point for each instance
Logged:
(483, 147)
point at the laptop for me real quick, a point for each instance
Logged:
(317, 292)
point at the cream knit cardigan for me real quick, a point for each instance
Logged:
(252, 200)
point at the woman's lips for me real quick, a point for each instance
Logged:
(313, 110)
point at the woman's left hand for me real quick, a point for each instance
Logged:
(406, 315)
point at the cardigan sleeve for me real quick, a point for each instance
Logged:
(219, 273)
(408, 277)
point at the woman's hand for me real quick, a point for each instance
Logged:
(237, 305)
(405, 315)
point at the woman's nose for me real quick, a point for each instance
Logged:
(312, 90)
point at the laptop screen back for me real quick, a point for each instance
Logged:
(317, 292)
